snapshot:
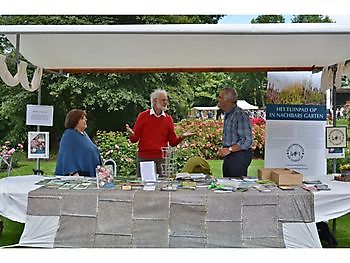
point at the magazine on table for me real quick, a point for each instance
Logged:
(67, 186)
(82, 186)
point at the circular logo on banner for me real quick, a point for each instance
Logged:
(295, 152)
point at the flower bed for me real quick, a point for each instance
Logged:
(205, 143)
(6, 155)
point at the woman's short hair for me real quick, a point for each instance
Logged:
(73, 117)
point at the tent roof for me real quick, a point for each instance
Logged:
(185, 47)
(240, 103)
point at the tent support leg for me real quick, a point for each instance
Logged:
(334, 102)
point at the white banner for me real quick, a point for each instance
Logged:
(297, 145)
(296, 124)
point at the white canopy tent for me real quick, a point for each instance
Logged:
(240, 103)
(185, 47)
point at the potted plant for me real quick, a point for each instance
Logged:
(345, 169)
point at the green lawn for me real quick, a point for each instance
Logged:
(26, 167)
(13, 230)
(11, 233)
(216, 167)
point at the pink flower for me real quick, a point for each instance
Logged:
(11, 151)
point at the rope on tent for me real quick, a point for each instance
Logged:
(340, 69)
(21, 75)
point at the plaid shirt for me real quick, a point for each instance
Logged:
(237, 129)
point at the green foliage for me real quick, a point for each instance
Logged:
(258, 145)
(207, 139)
(108, 19)
(295, 94)
(250, 86)
(339, 162)
(267, 19)
(205, 143)
(116, 146)
(311, 19)
(111, 100)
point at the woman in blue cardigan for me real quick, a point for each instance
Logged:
(77, 155)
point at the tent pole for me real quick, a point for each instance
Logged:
(38, 129)
(334, 91)
(18, 40)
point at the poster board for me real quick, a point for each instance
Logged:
(38, 145)
(295, 124)
(41, 115)
(148, 171)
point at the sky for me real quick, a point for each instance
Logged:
(139, 7)
(245, 19)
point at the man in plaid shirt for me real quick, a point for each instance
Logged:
(237, 136)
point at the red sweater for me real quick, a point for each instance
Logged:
(152, 133)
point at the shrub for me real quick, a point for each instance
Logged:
(205, 143)
(208, 138)
(7, 155)
(116, 146)
(340, 163)
(258, 139)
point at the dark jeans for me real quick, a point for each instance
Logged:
(158, 163)
(236, 164)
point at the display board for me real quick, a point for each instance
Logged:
(295, 138)
(295, 123)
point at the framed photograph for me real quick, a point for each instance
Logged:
(105, 176)
(38, 145)
(336, 137)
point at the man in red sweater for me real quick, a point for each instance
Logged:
(153, 130)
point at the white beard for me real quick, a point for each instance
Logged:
(165, 108)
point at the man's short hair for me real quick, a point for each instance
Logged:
(156, 93)
(73, 117)
(230, 94)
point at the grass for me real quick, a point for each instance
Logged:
(26, 167)
(11, 233)
(216, 167)
(13, 230)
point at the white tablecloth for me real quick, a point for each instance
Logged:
(14, 194)
(334, 203)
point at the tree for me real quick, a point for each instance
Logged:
(111, 100)
(268, 19)
(252, 86)
(311, 19)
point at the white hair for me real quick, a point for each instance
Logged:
(156, 93)
(230, 94)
